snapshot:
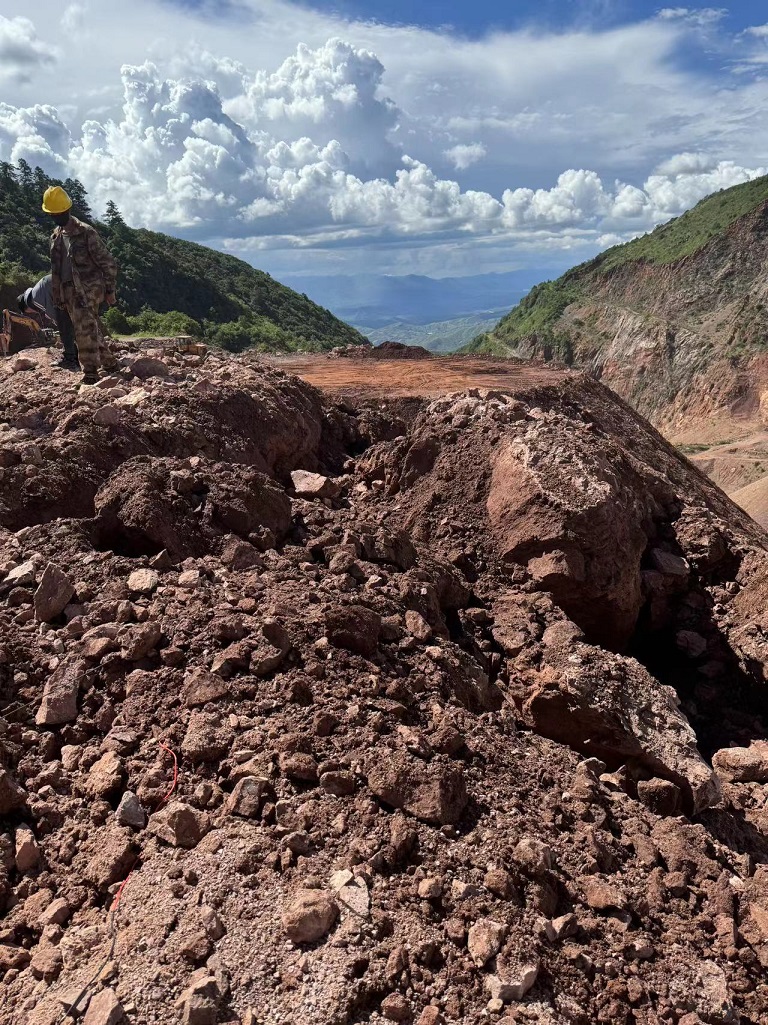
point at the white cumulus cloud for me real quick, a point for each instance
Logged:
(464, 155)
(312, 154)
(35, 134)
(21, 51)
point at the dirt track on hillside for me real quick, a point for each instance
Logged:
(366, 378)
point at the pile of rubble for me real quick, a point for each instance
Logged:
(314, 714)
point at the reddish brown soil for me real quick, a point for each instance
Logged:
(443, 721)
(425, 378)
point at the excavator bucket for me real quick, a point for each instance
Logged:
(18, 332)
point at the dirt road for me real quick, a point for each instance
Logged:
(371, 378)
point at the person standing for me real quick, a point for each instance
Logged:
(39, 300)
(84, 274)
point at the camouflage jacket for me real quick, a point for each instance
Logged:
(94, 269)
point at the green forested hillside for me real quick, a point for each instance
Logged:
(230, 302)
(539, 313)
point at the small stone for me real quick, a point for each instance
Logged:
(189, 579)
(435, 793)
(558, 929)
(300, 767)
(12, 796)
(179, 825)
(47, 962)
(500, 883)
(691, 643)
(107, 416)
(115, 854)
(143, 581)
(639, 948)
(311, 915)
(57, 913)
(660, 796)
(199, 1002)
(130, 812)
(59, 704)
(200, 687)
(485, 940)
(136, 642)
(668, 564)
(513, 985)
(106, 775)
(743, 764)
(461, 890)
(341, 878)
(603, 896)
(533, 855)
(249, 797)
(53, 594)
(395, 1007)
(355, 897)
(418, 627)
(430, 1016)
(431, 888)
(355, 628)
(27, 854)
(314, 485)
(21, 576)
(145, 367)
(340, 784)
(104, 1009)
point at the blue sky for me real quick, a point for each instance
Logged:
(335, 136)
(476, 18)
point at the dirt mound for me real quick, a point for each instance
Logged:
(398, 350)
(426, 741)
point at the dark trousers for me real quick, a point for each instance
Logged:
(66, 332)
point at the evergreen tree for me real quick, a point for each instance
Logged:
(113, 217)
(164, 275)
(76, 192)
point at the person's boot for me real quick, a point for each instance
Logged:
(90, 377)
(67, 362)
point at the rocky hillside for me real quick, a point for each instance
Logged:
(363, 712)
(233, 304)
(675, 322)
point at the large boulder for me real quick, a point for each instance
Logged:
(610, 707)
(575, 516)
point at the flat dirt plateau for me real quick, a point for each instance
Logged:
(412, 691)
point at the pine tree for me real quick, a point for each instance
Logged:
(113, 217)
(76, 192)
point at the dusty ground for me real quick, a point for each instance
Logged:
(346, 708)
(426, 378)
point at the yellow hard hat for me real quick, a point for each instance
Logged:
(56, 201)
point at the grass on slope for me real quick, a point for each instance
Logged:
(540, 311)
(690, 232)
(235, 305)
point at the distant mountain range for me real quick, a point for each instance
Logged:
(373, 301)
(439, 336)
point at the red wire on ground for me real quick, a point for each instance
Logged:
(118, 895)
(68, 1012)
